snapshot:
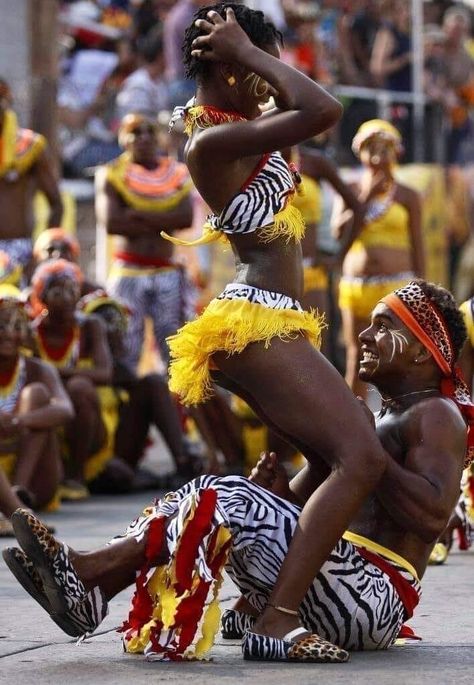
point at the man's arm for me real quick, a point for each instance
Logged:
(47, 182)
(415, 213)
(421, 493)
(100, 372)
(131, 223)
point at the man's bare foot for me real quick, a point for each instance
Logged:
(271, 475)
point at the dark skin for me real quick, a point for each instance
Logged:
(279, 382)
(424, 435)
(16, 197)
(42, 407)
(378, 157)
(138, 231)
(85, 433)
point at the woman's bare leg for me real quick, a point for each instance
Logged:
(319, 300)
(351, 327)
(9, 502)
(38, 467)
(305, 397)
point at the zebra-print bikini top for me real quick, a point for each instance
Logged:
(263, 203)
(265, 195)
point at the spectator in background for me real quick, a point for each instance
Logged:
(145, 90)
(178, 19)
(459, 75)
(391, 66)
(362, 27)
(391, 58)
(88, 120)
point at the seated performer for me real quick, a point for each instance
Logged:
(370, 583)
(32, 404)
(141, 401)
(76, 345)
(56, 243)
(138, 195)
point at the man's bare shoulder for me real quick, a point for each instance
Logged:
(435, 420)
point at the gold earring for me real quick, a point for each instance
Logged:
(231, 81)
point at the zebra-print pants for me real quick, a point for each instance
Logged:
(351, 602)
(163, 294)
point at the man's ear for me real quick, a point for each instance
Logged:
(421, 354)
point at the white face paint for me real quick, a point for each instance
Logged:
(257, 86)
(398, 339)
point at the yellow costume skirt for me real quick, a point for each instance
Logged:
(241, 315)
(7, 464)
(109, 410)
(360, 295)
(315, 278)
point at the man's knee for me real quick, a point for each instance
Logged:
(33, 396)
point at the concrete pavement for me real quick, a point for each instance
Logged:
(33, 651)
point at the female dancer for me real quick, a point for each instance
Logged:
(388, 251)
(255, 335)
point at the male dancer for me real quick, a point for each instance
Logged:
(139, 195)
(25, 167)
(370, 583)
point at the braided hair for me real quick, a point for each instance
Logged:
(260, 31)
(447, 307)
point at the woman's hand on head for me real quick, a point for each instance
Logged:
(224, 40)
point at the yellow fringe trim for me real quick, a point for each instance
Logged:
(9, 160)
(209, 235)
(288, 224)
(115, 175)
(229, 326)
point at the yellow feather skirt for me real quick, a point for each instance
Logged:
(229, 326)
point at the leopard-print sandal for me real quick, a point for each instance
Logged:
(26, 574)
(62, 587)
(309, 649)
(234, 624)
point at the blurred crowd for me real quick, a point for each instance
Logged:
(125, 55)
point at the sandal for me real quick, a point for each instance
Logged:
(68, 600)
(24, 571)
(309, 649)
(235, 623)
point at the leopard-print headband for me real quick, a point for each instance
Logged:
(424, 320)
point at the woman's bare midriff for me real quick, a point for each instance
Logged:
(274, 266)
(377, 261)
(152, 246)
